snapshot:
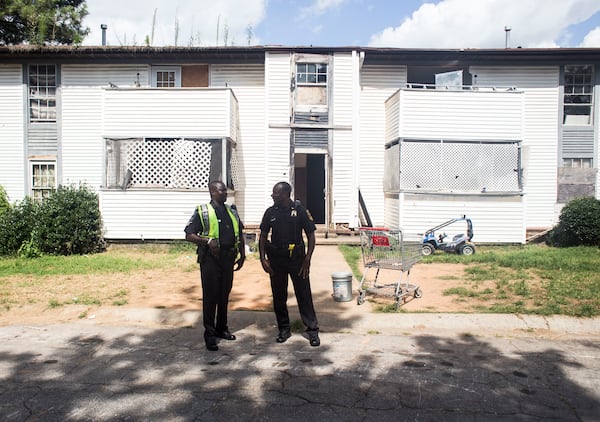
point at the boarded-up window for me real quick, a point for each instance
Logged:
(311, 84)
(194, 76)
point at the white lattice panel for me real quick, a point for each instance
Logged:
(460, 166)
(163, 163)
(235, 168)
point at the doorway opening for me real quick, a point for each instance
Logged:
(309, 184)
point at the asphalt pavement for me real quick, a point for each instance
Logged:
(370, 366)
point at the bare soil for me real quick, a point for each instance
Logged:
(54, 299)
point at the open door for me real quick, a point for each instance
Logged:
(309, 184)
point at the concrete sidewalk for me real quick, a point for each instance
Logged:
(384, 367)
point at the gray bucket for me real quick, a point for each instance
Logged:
(342, 286)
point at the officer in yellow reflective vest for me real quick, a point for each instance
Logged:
(217, 230)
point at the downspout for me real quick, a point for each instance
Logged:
(103, 27)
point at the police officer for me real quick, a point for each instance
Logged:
(217, 230)
(286, 255)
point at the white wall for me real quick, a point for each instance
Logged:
(343, 151)
(201, 112)
(12, 123)
(277, 147)
(495, 219)
(148, 214)
(248, 85)
(377, 84)
(80, 140)
(540, 134)
(476, 115)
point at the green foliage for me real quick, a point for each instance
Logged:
(4, 204)
(69, 222)
(16, 225)
(42, 22)
(352, 255)
(579, 224)
(29, 250)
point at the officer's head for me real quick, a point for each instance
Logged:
(281, 193)
(218, 191)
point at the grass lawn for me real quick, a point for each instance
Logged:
(529, 279)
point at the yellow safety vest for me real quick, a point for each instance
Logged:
(210, 223)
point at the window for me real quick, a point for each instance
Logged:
(42, 93)
(166, 163)
(311, 73)
(43, 179)
(579, 163)
(166, 77)
(578, 96)
(460, 166)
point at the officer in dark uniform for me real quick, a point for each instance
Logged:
(217, 230)
(286, 255)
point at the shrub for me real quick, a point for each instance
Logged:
(4, 204)
(17, 223)
(69, 222)
(579, 224)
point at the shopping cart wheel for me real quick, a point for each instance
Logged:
(361, 298)
(418, 293)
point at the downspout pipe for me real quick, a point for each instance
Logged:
(103, 27)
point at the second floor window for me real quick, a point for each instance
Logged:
(311, 73)
(42, 93)
(166, 76)
(579, 95)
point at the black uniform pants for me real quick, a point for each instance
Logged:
(217, 281)
(282, 268)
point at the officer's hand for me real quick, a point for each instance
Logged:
(213, 246)
(266, 266)
(305, 268)
(240, 263)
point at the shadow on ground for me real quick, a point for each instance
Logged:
(92, 372)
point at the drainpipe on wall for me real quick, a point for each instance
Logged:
(103, 27)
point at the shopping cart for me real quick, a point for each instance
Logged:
(388, 249)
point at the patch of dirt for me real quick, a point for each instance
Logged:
(54, 299)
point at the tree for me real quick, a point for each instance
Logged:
(42, 22)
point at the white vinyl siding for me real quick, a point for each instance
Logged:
(540, 133)
(475, 115)
(377, 83)
(248, 85)
(82, 144)
(12, 163)
(148, 214)
(345, 197)
(277, 147)
(495, 220)
(392, 210)
(198, 112)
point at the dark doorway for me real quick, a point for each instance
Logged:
(309, 183)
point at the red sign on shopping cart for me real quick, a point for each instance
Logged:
(380, 240)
